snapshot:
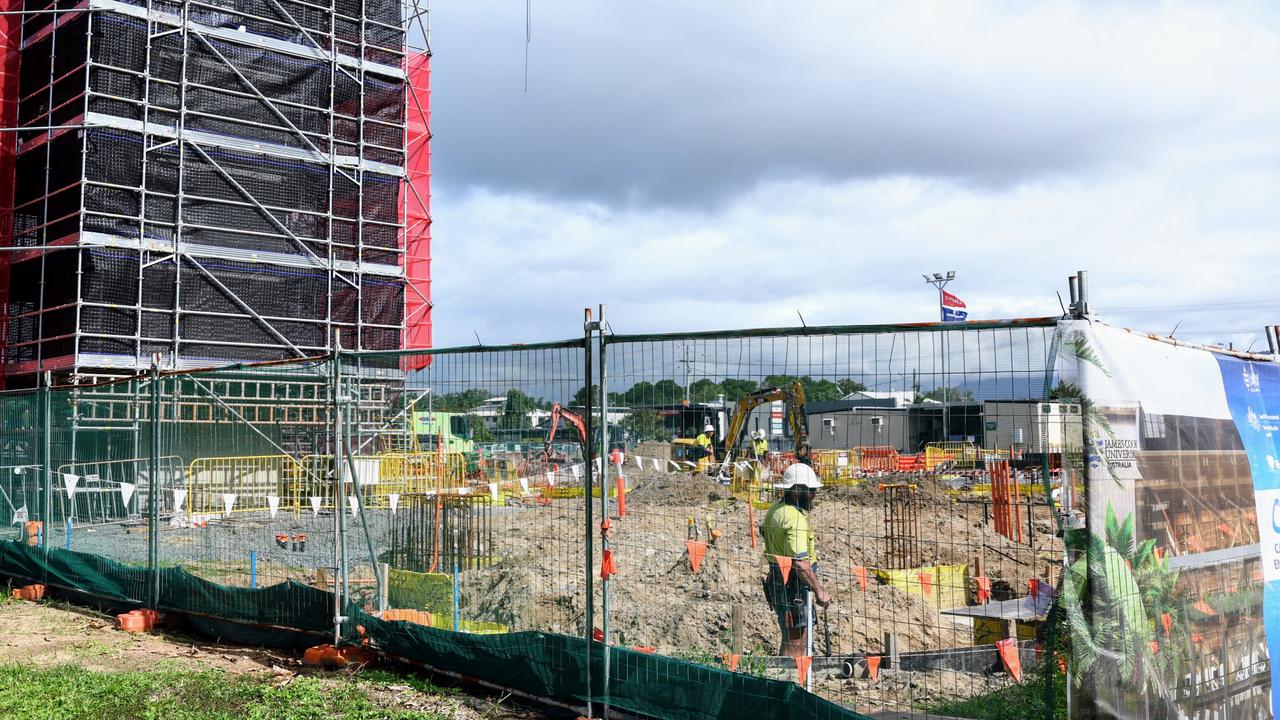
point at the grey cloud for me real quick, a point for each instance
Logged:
(688, 104)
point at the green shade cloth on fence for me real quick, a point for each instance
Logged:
(543, 665)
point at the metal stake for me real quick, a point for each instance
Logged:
(604, 509)
(153, 492)
(588, 538)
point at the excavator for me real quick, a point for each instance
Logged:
(793, 399)
(549, 455)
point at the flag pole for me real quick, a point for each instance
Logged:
(940, 281)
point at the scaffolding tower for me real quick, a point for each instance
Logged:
(211, 181)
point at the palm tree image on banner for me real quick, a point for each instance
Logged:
(1163, 600)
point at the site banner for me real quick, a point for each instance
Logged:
(1171, 591)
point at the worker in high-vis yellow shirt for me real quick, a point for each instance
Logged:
(705, 442)
(759, 445)
(787, 533)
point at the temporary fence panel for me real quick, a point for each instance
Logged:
(1171, 593)
(493, 517)
(690, 558)
(315, 494)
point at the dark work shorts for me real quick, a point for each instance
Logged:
(790, 601)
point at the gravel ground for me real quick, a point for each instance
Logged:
(538, 577)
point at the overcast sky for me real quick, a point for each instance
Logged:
(715, 165)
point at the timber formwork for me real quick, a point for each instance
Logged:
(213, 182)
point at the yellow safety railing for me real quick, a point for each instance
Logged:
(959, 454)
(380, 476)
(245, 483)
(835, 466)
(242, 484)
(403, 473)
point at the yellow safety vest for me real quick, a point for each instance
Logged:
(787, 533)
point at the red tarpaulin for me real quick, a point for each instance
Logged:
(417, 211)
(10, 44)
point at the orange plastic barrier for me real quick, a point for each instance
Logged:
(910, 463)
(878, 458)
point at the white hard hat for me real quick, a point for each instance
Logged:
(709, 428)
(801, 475)
(755, 434)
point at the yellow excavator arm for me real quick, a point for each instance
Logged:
(793, 397)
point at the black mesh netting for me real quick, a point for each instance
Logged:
(229, 83)
(293, 300)
(218, 213)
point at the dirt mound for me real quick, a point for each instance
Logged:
(674, 489)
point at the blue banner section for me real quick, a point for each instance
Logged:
(951, 315)
(1253, 396)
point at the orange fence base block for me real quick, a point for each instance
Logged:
(29, 592)
(420, 617)
(131, 622)
(803, 663)
(860, 573)
(696, 549)
(873, 667)
(1008, 649)
(327, 656)
(731, 661)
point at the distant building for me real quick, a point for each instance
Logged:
(1024, 425)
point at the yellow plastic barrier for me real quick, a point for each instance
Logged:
(834, 466)
(943, 586)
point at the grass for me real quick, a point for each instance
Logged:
(1014, 702)
(73, 692)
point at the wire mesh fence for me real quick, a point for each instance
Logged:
(615, 521)
(931, 542)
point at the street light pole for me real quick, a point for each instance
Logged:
(939, 281)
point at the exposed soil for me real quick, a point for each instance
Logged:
(657, 600)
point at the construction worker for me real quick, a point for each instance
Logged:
(759, 445)
(705, 442)
(787, 534)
